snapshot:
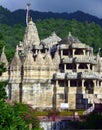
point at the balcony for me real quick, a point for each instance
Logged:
(59, 75)
(67, 60)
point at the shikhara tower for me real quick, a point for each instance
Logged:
(53, 71)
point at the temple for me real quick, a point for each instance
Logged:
(47, 73)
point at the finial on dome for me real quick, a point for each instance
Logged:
(99, 52)
(69, 35)
(3, 49)
(17, 49)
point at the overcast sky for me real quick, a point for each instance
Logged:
(93, 7)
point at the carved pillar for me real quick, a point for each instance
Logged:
(94, 81)
(84, 52)
(73, 52)
(97, 83)
(61, 53)
(64, 67)
(77, 66)
(83, 87)
(83, 82)
(95, 86)
(56, 83)
(88, 66)
(68, 83)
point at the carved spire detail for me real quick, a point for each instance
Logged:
(56, 59)
(31, 36)
(3, 58)
(29, 60)
(48, 59)
(39, 59)
(16, 60)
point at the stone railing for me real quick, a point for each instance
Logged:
(67, 60)
(78, 45)
(71, 75)
(63, 46)
(74, 75)
(89, 75)
(84, 59)
(59, 76)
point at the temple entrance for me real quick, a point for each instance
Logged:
(89, 86)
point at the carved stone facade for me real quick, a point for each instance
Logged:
(53, 71)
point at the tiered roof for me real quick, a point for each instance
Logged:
(31, 36)
(51, 40)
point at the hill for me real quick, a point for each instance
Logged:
(18, 16)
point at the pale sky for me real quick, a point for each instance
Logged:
(93, 7)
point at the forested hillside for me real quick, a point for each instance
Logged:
(18, 16)
(89, 33)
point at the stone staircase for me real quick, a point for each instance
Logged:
(91, 99)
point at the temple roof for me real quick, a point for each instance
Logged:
(3, 58)
(31, 36)
(51, 40)
(69, 39)
(16, 60)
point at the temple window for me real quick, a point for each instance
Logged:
(83, 66)
(70, 66)
(73, 83)
(79, 52)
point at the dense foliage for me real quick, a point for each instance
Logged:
(17, 116)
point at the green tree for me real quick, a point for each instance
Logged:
(14, 116)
